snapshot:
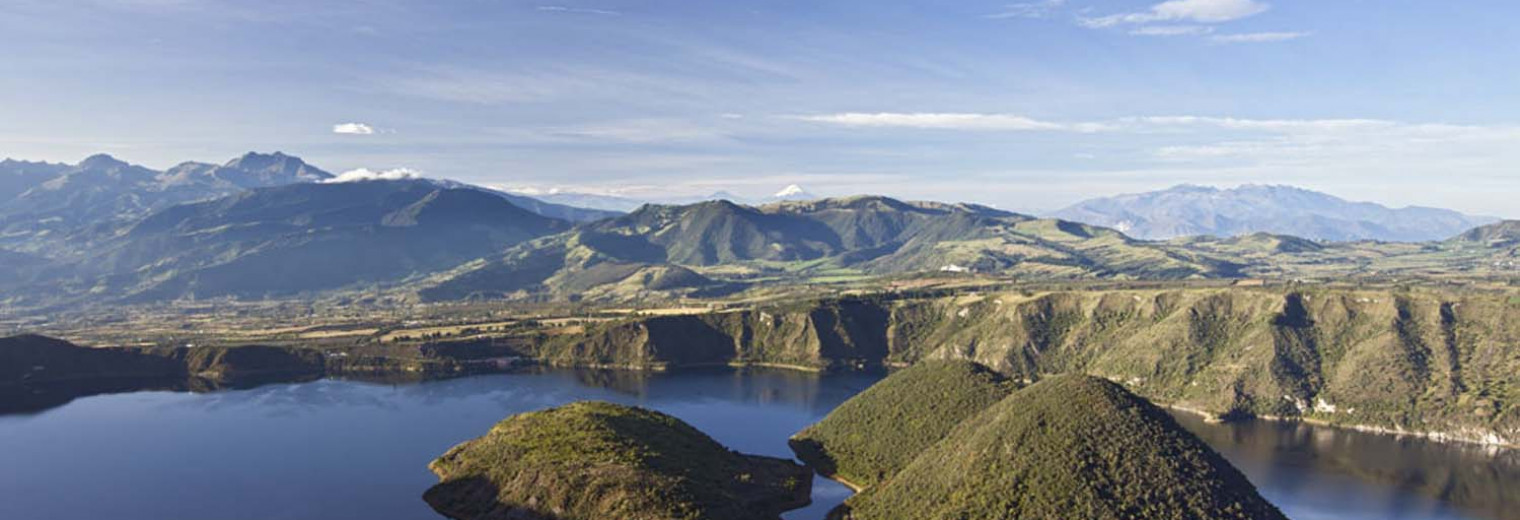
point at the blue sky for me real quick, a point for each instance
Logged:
(1023, 105)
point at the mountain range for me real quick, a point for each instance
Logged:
(311, 237)
(1188, 210)
(270, 225)
(55, 201)
(668, 247)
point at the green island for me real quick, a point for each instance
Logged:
(595, 460)
(1066, 447)
(877, 433)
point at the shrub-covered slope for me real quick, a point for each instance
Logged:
(1428, 361)
(878, 432)
(33, 359)
(1420, 360)
(1066, 447)
(595, 461)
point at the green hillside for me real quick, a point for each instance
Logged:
(596, 460)
(877, 433)
(1066, 447)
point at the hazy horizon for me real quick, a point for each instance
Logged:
(1019, 105)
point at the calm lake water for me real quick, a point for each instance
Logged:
(334, 449)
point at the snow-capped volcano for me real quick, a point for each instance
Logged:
(793, 192)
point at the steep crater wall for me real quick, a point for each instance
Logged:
(1439, 363)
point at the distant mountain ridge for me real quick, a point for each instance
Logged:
(859, 235)
(1498, 234)
(1201, 210)
(18, 176)
(102, 189)
(792, 192)
(251, 170)
(308, 237)
(570, 212)
(54, 209)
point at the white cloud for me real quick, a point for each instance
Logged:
(1261, 37)
(366, 174)
(1208, 11)
(1199, 11)
(1040, 9)
(577, 10)
(948, 121)
(353, 129)
(1171, 30)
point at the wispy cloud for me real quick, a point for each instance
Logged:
(546, 84)
(1199, 11)
(353, 129)
(948, 121)
(1171, 30)
(1191, 18)
(1040, 9)
(1290, 142)
(643, 131)
(1267, 125)
(577, 10)
(489, 87)
(366, 174)
(1241, 133)
(1260, 37)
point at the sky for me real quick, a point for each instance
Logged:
(1022, 105)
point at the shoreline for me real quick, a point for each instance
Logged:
(1437, 437)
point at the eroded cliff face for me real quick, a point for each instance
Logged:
(822, 336)
(1431, 362)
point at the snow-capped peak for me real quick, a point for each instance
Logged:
(791, 191)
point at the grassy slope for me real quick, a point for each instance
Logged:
(1067, 447)
(595, 460)
(875, 434)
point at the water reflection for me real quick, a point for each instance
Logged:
(37, 398)
(1322, 472)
